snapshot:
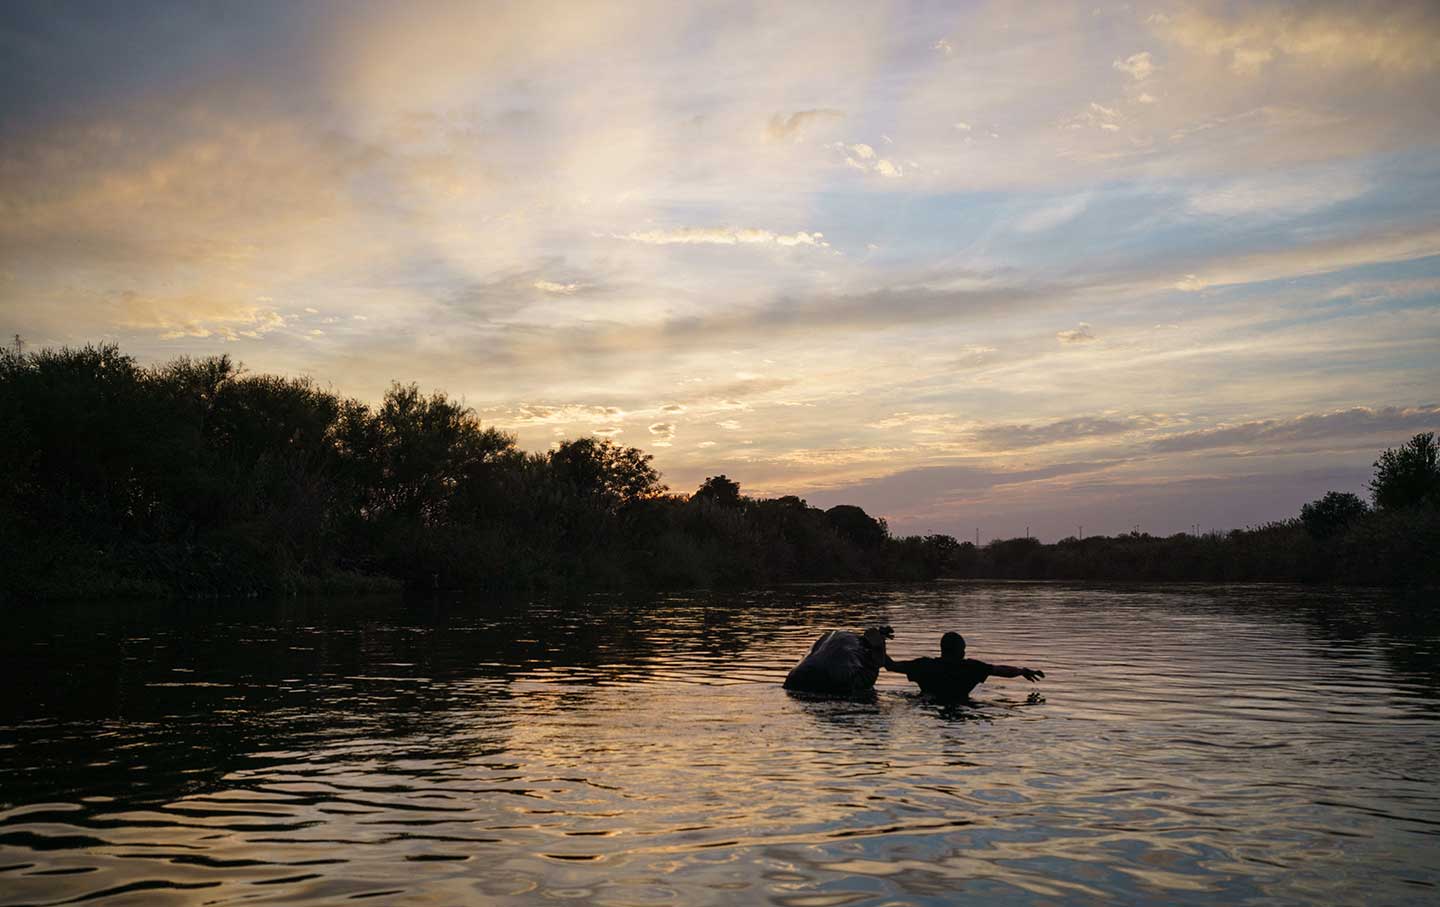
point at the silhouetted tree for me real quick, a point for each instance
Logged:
(1016, 558)
(857, 526)
(600, 468)
(1332, 514)
(1408, 475)
(196, 478)
(79, 426)
(429, 452)
(426, 478)
(720, 491)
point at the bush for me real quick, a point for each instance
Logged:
(194, 478)
(1332, 514)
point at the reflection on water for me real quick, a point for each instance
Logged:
(1192, 745)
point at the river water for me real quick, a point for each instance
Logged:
(1190, 744)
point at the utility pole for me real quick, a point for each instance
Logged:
(1080, 531)
(1027, 532)
(977, 536)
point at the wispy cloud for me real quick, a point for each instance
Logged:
(905, 489)
(861, 156)
(1008, 437)
(721, 236)
(1097, 116)
(1358, 420)
(1138, 66)
(662, 434)
(1323, 257)
(550, 286)
(1054, 215)
(1389, 36)
(1280, 195)
(556, 414)
(172, 318)
(796, 125)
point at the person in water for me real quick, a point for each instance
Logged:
(952, 676)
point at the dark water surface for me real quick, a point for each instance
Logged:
(1194, 745)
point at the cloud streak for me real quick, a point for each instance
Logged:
(1396, 37)
(199, 317)
(1138, 66)
(721, 236)
(794, 127)
(1079, 428)
(1355, 421)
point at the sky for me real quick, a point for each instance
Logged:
(995, 268)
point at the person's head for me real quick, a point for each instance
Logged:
(875, 636)
(952, 645)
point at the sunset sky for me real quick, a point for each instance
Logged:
(967, 265)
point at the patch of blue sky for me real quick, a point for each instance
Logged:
(1389, 286)
(1109, 228)
(1388, 210)
(1379, 286)
(908, 228)
(1318, 201)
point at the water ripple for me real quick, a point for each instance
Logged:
(1191, 745)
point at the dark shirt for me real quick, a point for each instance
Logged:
(944, 679)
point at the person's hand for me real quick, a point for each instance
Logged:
(1030, 675)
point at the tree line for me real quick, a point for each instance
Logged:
(197, 478)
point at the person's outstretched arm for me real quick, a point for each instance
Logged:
(900, 667)
(1009, 671)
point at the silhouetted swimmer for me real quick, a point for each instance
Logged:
(952, 676)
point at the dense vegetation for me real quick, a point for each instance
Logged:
(196, 478)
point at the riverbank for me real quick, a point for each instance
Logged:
(1383, 550)
(194, 479)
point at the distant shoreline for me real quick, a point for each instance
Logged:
(193, 479)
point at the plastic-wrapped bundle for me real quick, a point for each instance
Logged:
(841, 662)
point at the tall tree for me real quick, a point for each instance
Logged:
(1331, 514)
(859, 527)
(599, 468)
(1409, 475)
(720, 491)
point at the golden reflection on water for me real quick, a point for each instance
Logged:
(1191, 745)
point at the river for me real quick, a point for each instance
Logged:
(1189, 745)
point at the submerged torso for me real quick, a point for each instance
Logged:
(952, 679)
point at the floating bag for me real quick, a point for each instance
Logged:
(841, 662)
